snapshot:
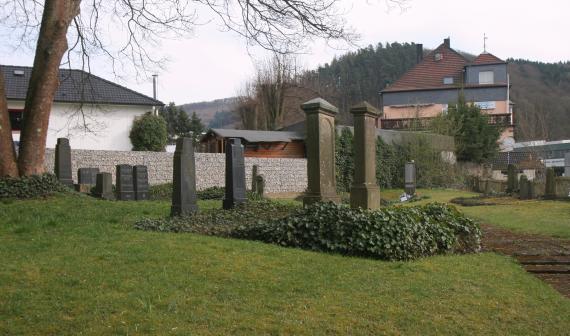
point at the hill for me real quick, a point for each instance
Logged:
(217, 113)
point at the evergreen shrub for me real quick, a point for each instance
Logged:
(30, 186)
(149, 133)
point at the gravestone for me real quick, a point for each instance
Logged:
(567, 165)
(140, 178)
(364, 192)
(410, 178)
(235, 174)
(63, 162)
(104, 186)
(86, 179)
(254, 171)
(184, 179)
(511, 178)
(526, 188)
(550, 185)
(320, 144)
(260, 186)
(125, 186)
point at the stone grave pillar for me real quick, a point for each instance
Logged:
(184, 179)
(125, 187)
(320, 144)
(140, 178)
(364, 192)
(86, 179)
(104, 186)
(254, 171)
(63, 162)
(235, 174)
(410, 178)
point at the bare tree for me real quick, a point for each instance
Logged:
(278, 25)
(247, 107)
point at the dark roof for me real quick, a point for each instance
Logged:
(487, 58)
(429, 73)
(76, 86)
(256, 136)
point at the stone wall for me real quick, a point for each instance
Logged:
(281, 175)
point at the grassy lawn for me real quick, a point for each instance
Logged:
(550, 218)
(73, 265)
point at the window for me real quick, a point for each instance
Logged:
(486, 77)
(16, 119)
(448, 80)
(438, 56)
(488, 105)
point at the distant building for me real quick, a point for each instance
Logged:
(108, 109)
(426, 90)
(270, 144)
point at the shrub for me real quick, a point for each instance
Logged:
(149, 133)
(394, 233)
(30, 186)
(163, 192)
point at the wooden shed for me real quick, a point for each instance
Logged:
(268, 144)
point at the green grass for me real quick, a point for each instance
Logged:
(550, 218)
(73, 265)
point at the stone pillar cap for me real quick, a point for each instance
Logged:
(62, 141)
(364, 108)
(319, 104)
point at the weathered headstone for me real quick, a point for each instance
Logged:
(63, 162)
(410, 178)
(526, 188)
(260, 186)
(550, 185)
(235, 174)
(364, 192)
(86, 179)
(184, 179)
(511, 179)
(254, 171)
(140, 178)
(320, 144)
(104, 186)
(125, 186)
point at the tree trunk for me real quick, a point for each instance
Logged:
(8, 166)
(44, 81)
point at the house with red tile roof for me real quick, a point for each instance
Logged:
(426, 90)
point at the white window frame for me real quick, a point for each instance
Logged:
(447, 80)
(486, 77)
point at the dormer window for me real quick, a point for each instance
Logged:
(447, 80)
(438, 57)
(486, 77)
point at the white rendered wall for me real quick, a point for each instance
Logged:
(108, 126)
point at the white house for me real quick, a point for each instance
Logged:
(92, 112)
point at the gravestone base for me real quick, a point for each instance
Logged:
(233, 202)
(364, 195)
(83, 188)
(310, 198)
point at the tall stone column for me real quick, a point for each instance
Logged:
(235, 174)
(184, 179)
(63, 162)
(364, 192)
(320, 144)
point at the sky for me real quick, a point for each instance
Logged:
(215, 64)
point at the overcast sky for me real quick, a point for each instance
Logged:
(214, 64)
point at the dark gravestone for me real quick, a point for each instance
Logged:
(140, 177)
(125, 186)
(184, 179)
(254, 171)
(259, 186)
(410, 178)
(63, 162)
(86, 179)
(235, 174)
(104, 186)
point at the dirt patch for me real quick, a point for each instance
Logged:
(546, 257)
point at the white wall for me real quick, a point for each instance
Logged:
(108, 125)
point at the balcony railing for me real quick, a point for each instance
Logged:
(422, 124)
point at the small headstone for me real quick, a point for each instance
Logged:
(86, 179)
(410, 178)
(63, 162)
(125, 186)
(140, 177)
(259, 186)
(254, 172)
(104, 186)
(184, 179)
(526, 188)
(235, 174)
(511, 179)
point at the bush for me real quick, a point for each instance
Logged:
(149, 133)
(163, 192)
(30, 186)
(394, 233)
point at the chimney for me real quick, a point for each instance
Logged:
(419, 53)
(447, 42)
